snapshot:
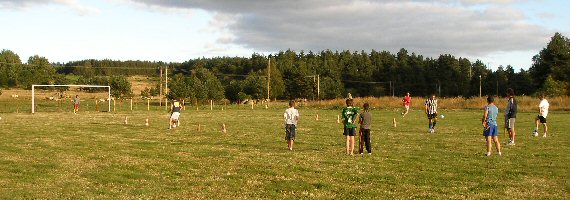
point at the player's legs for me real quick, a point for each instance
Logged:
(545, 129)
(497, 144)
(346, 134)
(288, 136)
(293, 135)
(351, 145)
(366, 135)
(347, 145)
(537, 121)
(511, 130)
(512, 134)
(488, 141)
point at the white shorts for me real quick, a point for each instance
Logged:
(510, 123)
(175, 116)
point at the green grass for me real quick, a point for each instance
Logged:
(56, 155)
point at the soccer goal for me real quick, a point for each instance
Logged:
(83, 86)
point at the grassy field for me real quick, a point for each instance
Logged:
(56, 155)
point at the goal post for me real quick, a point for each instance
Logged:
(93, 86)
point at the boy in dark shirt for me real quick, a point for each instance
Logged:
(365, 121)
(510, 116)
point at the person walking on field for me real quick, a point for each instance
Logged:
(407, 101)
(541, 118)
(365, 122)
(76, 101)
(291, 116)
(491, 131)
(348, 116)
(431, 112)
(511, 115)
(175, 108)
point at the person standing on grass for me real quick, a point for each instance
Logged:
(365, 121)
(348, 116)
(511, 115)
(431, 112)
(541, 118)
(76, 101)
(291, 116)
(407, 101)
(175, 108)
(489, 121)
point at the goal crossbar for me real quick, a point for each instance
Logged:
(93, 86)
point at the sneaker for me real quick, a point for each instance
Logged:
(544, 135)
(500, 154)
(535, 134)
(488, 154)
(369, 153)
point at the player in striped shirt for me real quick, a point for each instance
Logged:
(431, 111)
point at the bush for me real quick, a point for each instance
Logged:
(554, 88)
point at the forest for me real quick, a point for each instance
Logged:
(312, 75)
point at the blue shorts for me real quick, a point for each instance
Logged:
(493, 130)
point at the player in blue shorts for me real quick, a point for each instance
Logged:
(489, 121)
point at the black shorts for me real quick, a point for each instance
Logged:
(542, 119)
(432, 116)
(290, 132)
(349, 131)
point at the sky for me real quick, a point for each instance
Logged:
(497, 32)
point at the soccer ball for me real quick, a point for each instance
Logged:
(442, 116)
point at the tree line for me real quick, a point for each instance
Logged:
(315, 75)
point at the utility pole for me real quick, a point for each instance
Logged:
(160, 94)
(479, 86)
(318, 86)
(166, 78)
(393, 88)
(268, 76)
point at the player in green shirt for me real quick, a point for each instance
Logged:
(348, 117)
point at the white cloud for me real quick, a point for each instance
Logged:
(73, 4)
(424, 26)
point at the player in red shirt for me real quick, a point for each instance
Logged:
(407, 100)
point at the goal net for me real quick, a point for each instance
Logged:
(34, 103)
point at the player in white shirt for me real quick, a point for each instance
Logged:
(291, 116)
(541, 118)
